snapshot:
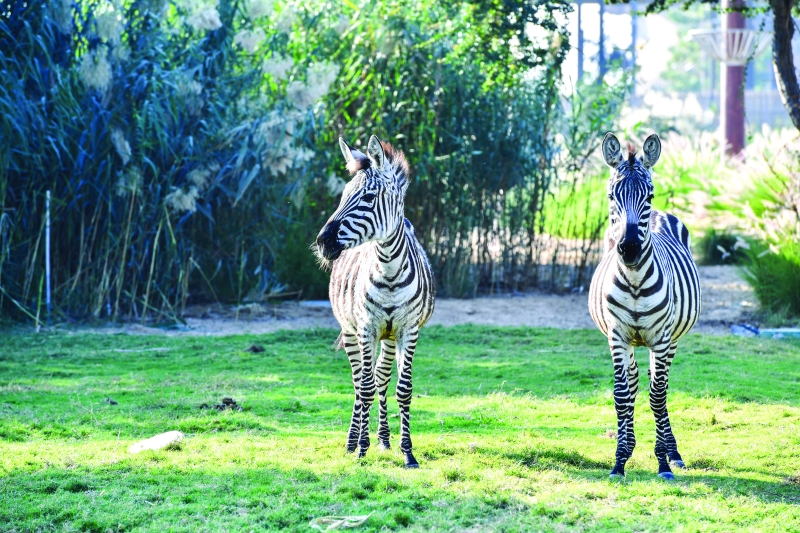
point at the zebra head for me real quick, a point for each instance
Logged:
(371, 208)
(630, 191)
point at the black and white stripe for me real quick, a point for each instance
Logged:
(381, 289)
(645, 292)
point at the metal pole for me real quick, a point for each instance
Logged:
(634, 21)
(47, 254)
(601, 59)
(732, 82)
(580, 42)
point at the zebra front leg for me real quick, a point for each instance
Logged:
(383, 373)
(367, 343)
(354, 356)
(623, 403)
(633, 385)
(405, 357)
(666, 448)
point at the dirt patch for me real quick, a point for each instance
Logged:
(727, 300)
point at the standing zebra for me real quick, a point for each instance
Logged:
(381, 289)
(645, 292)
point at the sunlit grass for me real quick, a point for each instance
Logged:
(512, 428)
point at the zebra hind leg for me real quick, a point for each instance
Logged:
(623, 404)
(405, 356)
(666, 448)
(354, 356)
(383, 374)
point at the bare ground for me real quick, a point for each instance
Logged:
(727, 300)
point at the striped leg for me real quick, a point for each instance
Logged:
(633, 385)
(666, 448)
(354, 356)
(383, 373)
(623, 402)
(405, 357)
(367, 343)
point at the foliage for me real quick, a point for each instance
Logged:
(717, 247)
(774, 216)
(151, 129)
(190, 149)
(511, 427)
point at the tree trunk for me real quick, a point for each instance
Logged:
(783, 59)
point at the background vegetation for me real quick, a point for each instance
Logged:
(514, 430)
(190, 151)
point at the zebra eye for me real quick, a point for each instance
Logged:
(369, 197)
(650, 198)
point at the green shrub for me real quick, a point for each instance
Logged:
(775, 278)
(717, 247)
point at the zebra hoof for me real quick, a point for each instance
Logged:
(616, 477)
(362, 452)
(384, 445)
(669, 476)
(351, 449)
(410, 461)
(678, 463)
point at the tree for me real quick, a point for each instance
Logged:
(782, 33)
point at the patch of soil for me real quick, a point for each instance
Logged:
(727, 300)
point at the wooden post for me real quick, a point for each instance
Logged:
(732, 87)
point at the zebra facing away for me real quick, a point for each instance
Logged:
(645, 292)
(381, 288)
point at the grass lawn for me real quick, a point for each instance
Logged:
(511, 427)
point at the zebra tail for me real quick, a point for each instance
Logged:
(338, 344)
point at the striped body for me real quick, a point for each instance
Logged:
(371, 291)
(382, 288)
(645, 292)
(661, 295)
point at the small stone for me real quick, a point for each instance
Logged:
(159, 442)
(112, 402)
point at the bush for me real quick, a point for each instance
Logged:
(717, 247)
(190, 151)
(775, 278)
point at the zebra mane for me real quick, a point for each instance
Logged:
(395, 156)
(631, 152)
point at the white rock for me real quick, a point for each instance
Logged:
(160, 441)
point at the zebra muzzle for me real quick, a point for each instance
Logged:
(328, 241)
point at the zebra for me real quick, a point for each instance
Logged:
(381, 289)
(645, 292)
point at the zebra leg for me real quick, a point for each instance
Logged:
(623, 403)
(367, 343)
(405, 357)
(666, 448)
(633, 385)
(354, 356)
(383, 373)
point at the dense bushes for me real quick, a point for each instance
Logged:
(190, 149)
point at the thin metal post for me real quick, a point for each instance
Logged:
(47, 254)
(634, 21)
(580, 42)
(601, 58)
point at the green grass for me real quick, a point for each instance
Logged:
(510, 427)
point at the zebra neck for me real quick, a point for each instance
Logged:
(392, 254)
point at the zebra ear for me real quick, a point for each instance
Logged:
(375, 152)
(651, 150)
(354, 159)
(612, 151)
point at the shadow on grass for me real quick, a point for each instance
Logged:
(124, 499)
(579, 466)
